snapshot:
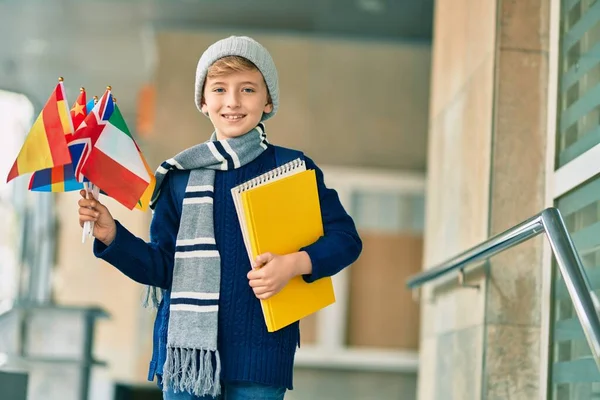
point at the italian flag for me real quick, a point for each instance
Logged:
(116, 165)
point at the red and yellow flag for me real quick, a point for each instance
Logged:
(46, 145)
(62, 178)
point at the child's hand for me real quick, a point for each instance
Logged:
(105, 227)
(271, 272)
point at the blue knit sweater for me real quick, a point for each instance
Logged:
(248, 352)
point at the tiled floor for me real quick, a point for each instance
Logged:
(326, 384)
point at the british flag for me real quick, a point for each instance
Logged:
(85, 137)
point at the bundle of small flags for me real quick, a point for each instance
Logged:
(87, 146)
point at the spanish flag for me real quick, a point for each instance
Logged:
(62, 178)
(46, 145)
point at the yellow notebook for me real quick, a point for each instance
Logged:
(279, 212)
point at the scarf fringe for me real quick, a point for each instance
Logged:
(182, 372)
(151, 297)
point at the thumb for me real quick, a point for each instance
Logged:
(262, 259)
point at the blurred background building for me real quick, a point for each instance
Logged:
(439, 123)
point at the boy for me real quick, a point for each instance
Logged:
(210, 338)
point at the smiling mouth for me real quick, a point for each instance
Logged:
(233, 117)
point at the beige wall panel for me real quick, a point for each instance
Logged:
(481, 33)
(449, 53)
(426, 377)
(308, 330)
(382, 312)
(457, 206)
(458, 175)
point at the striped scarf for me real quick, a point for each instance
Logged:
(192, 335)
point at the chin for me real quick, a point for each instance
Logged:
(239, 132)
(232, 134)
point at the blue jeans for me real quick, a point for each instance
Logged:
(234, 391)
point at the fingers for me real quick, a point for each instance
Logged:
(90, 203)
(88, 212)
(86, 218)
(263, 293)
(261, 285)
(255, 274)
(262, 288)
(257, 283)
(262, 259)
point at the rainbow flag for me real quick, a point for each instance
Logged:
(46, 144)
(116, 165)
(62, 178)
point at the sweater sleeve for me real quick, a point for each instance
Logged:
(147, 263)
(340, 244)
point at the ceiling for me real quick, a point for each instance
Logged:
(111, 42)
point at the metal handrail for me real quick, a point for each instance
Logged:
(551, 222)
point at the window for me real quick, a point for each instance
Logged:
(388, 210)
(16, 115)
(576, 189)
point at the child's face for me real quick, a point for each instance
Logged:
(235, 103)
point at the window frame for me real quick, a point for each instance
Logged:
(559, 181)
(330, 350)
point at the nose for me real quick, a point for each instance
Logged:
(233, 100)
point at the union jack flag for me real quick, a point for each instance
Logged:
(85, 137)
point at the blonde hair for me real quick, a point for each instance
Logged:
(229, 65)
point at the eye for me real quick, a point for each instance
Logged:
(218, 90)
(248, 90)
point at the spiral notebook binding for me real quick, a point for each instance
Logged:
(268, 176)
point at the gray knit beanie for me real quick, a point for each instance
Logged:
(248, 48)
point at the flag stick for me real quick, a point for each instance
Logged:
(88, 226)
(96, 194)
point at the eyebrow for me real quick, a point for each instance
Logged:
(241, 83)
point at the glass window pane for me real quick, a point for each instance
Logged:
(16, 114)
(388, 211)
(574, 373)
(579, 88)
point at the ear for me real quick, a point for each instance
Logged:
(268, 108)
(204, 109)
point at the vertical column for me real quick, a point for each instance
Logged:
(517, 191)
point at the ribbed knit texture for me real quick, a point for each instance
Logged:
(248, 352)
(248, 48)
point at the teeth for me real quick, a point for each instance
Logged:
(233, 116)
